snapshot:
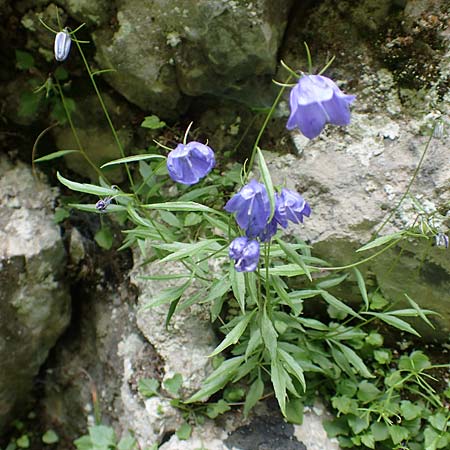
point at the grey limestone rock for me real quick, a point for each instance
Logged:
(34, 299)
(165, 54)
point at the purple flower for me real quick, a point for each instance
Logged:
(187, 164)
(316, 100)
(252, 207)
(290, 206)
(245, 253)
(62, 45)
(269, 231)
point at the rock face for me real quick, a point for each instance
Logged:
(162, 55)
(394, 55)
(34, 299)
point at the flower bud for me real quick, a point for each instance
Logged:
(245, 253)
(62, 45)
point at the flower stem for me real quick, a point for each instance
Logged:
(362, 261)
(264, 126)
(74, 131)
(411, 181)
(105, 111)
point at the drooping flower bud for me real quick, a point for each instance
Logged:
(316, 100)
(62, 45)
(245, 253)
(102, 204)
(187, 164)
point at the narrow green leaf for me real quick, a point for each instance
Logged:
(112, 208)
(355, 360)
(244, 369)
(217, 223)
(362, 287)
(199, 192)
(408, 312)
(285, 270)
(87, 188)
(341, 360)
(233, 336)
(218, 289)
(278, 376)
(331, 282)
(237, 280)
(190, 250)
(171, 219)
(181, 206)
(290, 252)
(217, 380)
(313, 323)
(55, 155)
(269, 335)
(395, 322)
(340, 306)
(267, 180)
(132, 158)
(278, 285)
(293, 367)
(421, 312)
(172, 308)
(381, 241)
(255, 392)
(167, 296)
(254, 342)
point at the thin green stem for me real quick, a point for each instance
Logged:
(266, 263)
(74, 131)
(105, 111)
(411, 181)
(263, 128)
(358, 263)
(259, 289)
(308, 56)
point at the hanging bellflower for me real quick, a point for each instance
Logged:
(245, 253)
(252, 207)
(62, 45)
(315, 101)
(188, 163)
(290, 205)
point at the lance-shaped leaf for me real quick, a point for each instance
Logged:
(233, 336)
